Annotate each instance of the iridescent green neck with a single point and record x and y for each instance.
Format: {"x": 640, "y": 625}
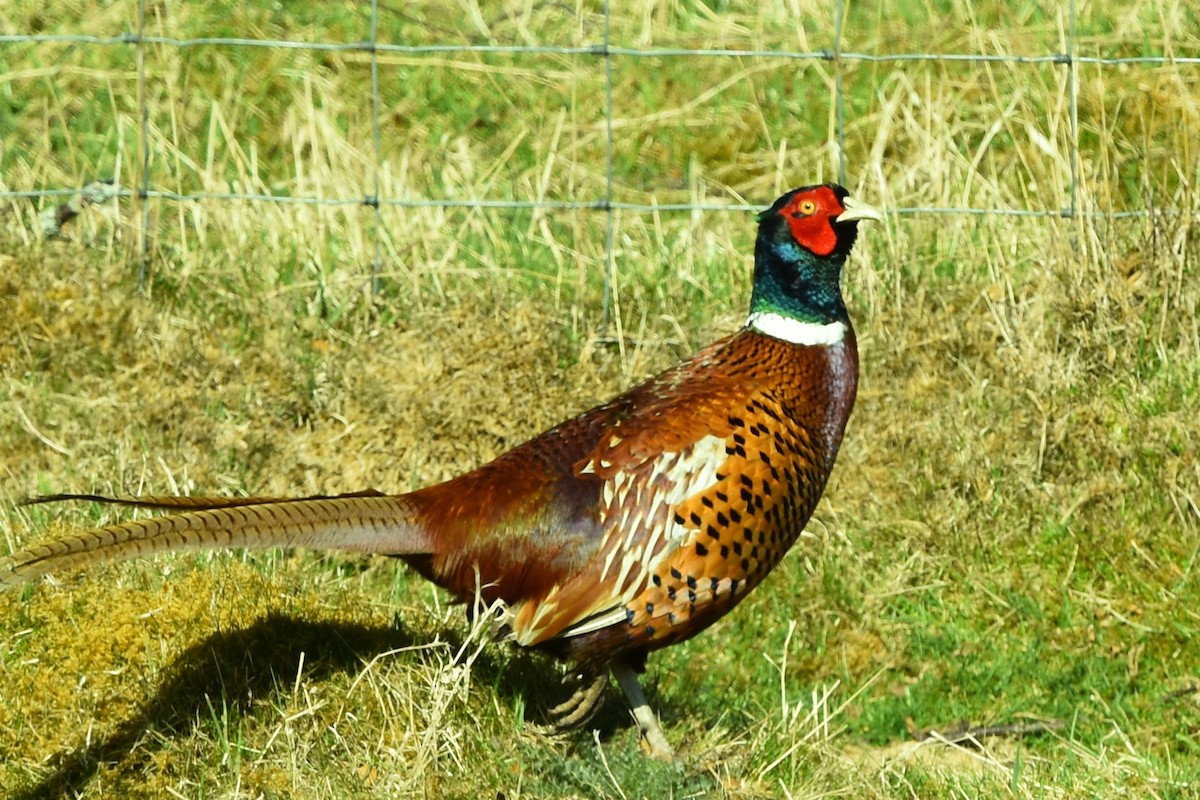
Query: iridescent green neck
{"x": 792, "y": 282}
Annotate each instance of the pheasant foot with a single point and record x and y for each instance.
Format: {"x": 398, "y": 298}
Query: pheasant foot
{"x": 582, "y": 705}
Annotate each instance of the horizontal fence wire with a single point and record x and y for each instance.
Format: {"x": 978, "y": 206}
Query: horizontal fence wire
{"x": 563, "y": 205}
{"x": 597, "y": 50}
{"x": 605, "y": 52}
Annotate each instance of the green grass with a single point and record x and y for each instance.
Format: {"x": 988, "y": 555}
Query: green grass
{"x": 1010, "y": 537}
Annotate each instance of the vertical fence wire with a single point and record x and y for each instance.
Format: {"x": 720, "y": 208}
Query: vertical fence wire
{"x": 377, "y": 142}
{"x": 839, "y": 95}
{"x": 143, "y": 149}
{"x": 1073, "y": 99}
{"x": 606, "y": 303}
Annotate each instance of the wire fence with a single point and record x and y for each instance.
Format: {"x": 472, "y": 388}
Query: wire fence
{"x": 606, "y": 53}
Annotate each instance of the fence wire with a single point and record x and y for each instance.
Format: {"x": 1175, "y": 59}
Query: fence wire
{"x": 605, "y": 54}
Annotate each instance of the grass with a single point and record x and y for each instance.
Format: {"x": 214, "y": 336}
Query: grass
{"x": 1010, "y": 537}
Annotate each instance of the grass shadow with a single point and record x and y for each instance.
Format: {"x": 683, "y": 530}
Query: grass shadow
{"x": 236, "y": 667}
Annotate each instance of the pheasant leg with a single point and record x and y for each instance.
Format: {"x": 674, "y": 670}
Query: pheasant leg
{"x": 652, "y": 733}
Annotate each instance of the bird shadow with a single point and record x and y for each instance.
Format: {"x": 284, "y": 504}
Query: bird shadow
{"x": 252, "y": 662}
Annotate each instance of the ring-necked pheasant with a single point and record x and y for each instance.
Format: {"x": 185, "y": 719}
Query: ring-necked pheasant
{"x": 630, "y": 527}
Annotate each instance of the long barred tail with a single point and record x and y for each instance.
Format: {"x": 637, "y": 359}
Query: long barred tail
{"x": 365, "y": 522}
{"x": 176, "y": 502}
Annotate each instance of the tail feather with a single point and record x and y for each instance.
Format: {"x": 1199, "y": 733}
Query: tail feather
{"x": 178, "y": 503}
{"x": 369, "y": 523}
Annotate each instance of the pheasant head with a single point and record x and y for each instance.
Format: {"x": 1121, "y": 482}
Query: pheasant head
{"x": 803, "y": 241}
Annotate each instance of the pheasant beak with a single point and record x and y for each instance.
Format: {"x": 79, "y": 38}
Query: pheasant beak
{"x": 854, "y": 210}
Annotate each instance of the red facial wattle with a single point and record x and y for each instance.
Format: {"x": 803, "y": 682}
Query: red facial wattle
{"x": 810, "y": 218}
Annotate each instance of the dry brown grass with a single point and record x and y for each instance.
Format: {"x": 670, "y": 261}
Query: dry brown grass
{"x": 1011, "y": 532}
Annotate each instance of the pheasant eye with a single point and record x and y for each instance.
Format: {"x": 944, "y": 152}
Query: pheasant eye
{"x": 807, "y": 207}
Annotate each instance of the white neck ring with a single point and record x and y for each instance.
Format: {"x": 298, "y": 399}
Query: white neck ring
{"x": 796, "y": 331}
